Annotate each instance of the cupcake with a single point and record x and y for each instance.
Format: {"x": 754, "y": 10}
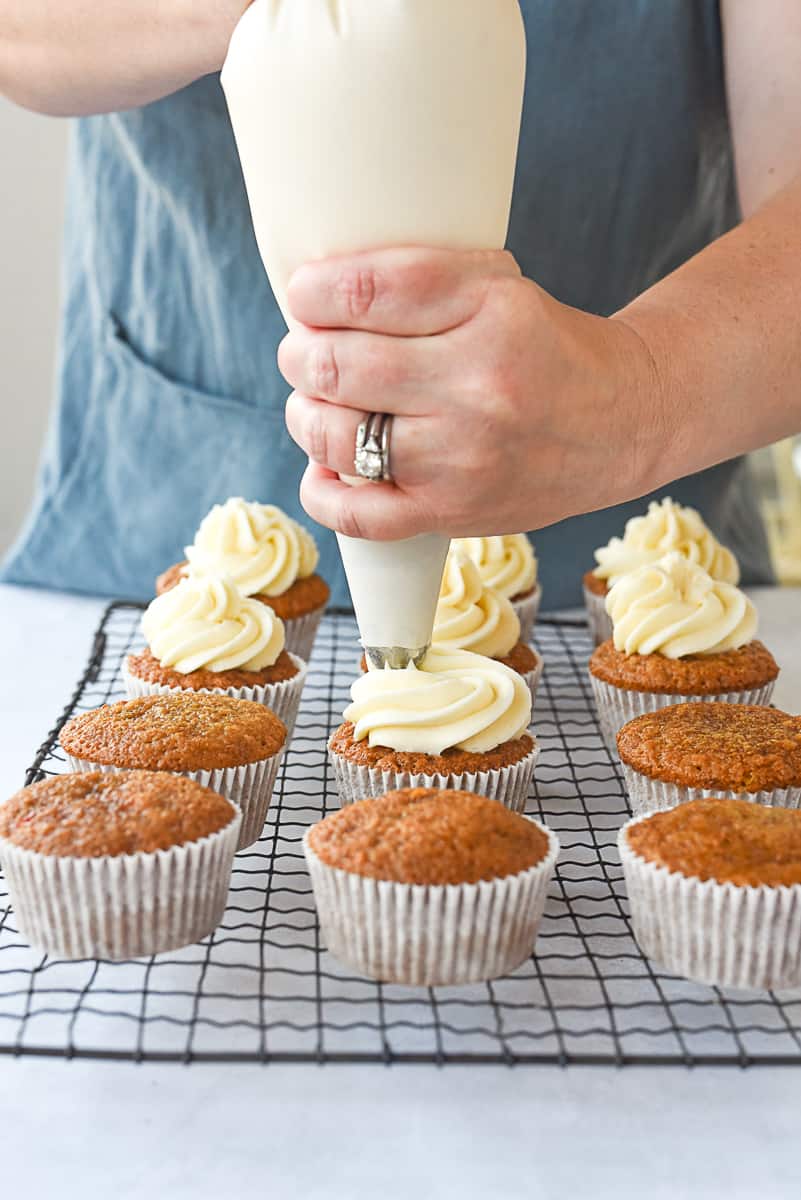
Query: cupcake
{"x": 689, "y": 751}
{"x": 117, "y": 866}
{"x": 715, "y": 891}
{"x": 268, "y": 556}
{"x": 232, "y": 746}
{"x": 203, "y": 635}
{"x": 678, "y": 635}
{"x": 427, "y": 888}
{"x": 459, "y": 721}
{"x": 665, "y": 527}
{"x": 508, "y": 565}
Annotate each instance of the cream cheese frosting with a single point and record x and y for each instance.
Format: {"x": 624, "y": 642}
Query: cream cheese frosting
{"x": 256, "y": 545}
{"x": 674, "y": 608}
{"x": 205, "y": 622}
{"x": 455, "y": 699}
{"x": 665, "y": 527}
{"x": 471, "y": 616}
{"x": 507, "y": 564}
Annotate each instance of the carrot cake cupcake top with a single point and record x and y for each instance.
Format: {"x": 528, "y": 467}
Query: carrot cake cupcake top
{"x": 427, "y": 836}
{"x": 730, "y": 841}
{"x": 180, "y": 731}
{"x": 205, "y": 623}
{"x": 94, "y": 814}
{"x": 722, "y": 747}
{"x": 472, "y": 616}
{"x": 507, "y": 564}
{"x": 453, "y": 700}
{"x": 666, "y": 527}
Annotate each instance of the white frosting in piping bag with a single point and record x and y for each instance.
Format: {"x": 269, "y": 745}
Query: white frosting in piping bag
{"x": 369, "y": 123}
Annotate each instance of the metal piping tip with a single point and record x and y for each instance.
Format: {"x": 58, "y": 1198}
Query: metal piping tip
{"x": 397, "y": 658}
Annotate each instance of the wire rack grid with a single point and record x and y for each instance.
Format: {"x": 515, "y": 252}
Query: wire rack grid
{"x": 263, "y": 988}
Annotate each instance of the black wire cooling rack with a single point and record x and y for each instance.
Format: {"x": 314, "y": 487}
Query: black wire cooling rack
{"x": 263, "y": 988}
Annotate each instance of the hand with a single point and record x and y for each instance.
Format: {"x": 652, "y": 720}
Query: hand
{"x": 511, "y": 410}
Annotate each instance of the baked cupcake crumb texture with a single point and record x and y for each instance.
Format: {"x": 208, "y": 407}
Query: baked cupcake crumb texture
{"x": 729, "y": 841}
{"x": 181, "y": 731}
{"x": 428, "y": 836}
{"x": 94, "y": 814}
{"x": 752, "y": 666}
{"x": 451, "y": 762}
{"x": 723, "y": 747}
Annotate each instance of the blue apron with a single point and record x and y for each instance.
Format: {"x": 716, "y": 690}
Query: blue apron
{"x": 169, "y": 399}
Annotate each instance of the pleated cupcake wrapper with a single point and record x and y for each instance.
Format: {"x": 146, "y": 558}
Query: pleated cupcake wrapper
{"x": 430, "y": 936}
{"x": 598, "y": 618}
{"x": 281, "y": 698}
{"x": 655, "y": 795}
{"x": 510, "y": 785}
{"x": 715, "y": 933}
{"x": 300, "y": 633}
{"x": 527, "y": 609}
{"x": 249, "y": 787}
{"x": 123, "y": 907}
{"x": 533, "y": 678}
{"x": 616, "y": 706}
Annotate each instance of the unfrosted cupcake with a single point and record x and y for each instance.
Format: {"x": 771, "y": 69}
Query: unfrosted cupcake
{"x": 203, "y": 635}
{"x": 666, "y": 527}
{"x": 459, "y": 721}
{"x": 426, "y": 887}
{"x": 268, "y": 556}
{"x": 715, "y": 891}
{"x": 690, "y": 751}
{"x": 232, "y": 746}
{"x": 117, "y": 866}
{"x": 678, "y": 635}
{"x": 508, "y": 565}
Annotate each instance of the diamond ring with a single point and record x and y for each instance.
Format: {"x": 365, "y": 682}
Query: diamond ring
{"x": 371, "y": 460}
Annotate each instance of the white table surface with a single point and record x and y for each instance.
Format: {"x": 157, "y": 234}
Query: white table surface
{"x": 88, "y": 1129}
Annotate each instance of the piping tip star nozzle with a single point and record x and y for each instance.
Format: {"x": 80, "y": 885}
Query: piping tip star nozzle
{"x": 396, "y": 658}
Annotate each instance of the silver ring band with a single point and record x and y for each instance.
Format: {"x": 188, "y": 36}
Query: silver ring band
{"x": 371, "y": 460}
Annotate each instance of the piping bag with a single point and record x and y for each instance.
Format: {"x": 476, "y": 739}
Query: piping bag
{"x": 364, "y": 124}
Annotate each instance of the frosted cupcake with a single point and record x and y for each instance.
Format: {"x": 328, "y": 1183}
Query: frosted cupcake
{"x": 426, "y": 887}
{"x": 459, "y": 721}
{"x": 678, "y": 635}
{"x": 508, "y": 565}
{"x": 664, "y": 528}
{"x": 715, "y": 891}
{"x": 203, "y": 635}
{"x": 268, "y": 556}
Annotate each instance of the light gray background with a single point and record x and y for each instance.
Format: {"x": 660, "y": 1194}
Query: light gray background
{"x": 32, "y": 158}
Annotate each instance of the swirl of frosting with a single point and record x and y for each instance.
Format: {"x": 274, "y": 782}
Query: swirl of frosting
{"x": 666, "y": 527}
{"x": 507, "y": 564}
{"x": 206, "y": 622}
{"x": 674, "y": 608}
{"x": 455, "y": 699}
{"x": 256, "y": 545}
{"x": 471, "y": 616}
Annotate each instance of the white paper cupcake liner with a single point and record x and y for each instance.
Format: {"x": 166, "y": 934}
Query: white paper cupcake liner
{"x": 281, "y": 698}
{"x": 300, "y": 633}
{"x": 123, "y": 907}
{"x": 598, "y": 618}
{"x": 655, "y": 795}
{"x": 617, "y": 706}
{"x": 715, "y": 933}
{"x": 510, "y": 785}
{"x": 527, "y": 608}
{"x": 431, "y": 936}
{"x": 533, "y": 678}
{"x": 249, "y": 787}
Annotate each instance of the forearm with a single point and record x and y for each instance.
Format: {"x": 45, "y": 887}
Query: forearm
{"x": 74, "y": 57}
{"x": 724, "y": 336}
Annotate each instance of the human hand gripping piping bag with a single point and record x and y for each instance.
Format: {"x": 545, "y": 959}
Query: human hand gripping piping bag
{"x": 364, "y": 124}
